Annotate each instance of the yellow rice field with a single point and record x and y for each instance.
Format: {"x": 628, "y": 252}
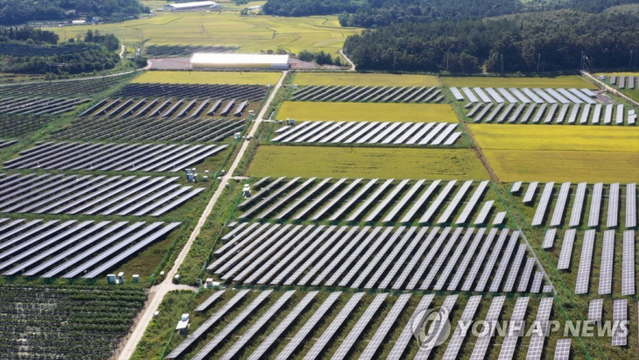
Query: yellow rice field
{"x": 385, "y": 163}
{"x": 208, "y": 77}
{"x": 305, "y": 111}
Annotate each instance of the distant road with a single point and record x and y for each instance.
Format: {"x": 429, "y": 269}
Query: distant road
{"x": 341, "y": 51}
{"x": 160, "y": 290}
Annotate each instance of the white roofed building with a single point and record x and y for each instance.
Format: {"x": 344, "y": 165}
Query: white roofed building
{"x": 239, "y": 61}
{"x": 196, "y": 5}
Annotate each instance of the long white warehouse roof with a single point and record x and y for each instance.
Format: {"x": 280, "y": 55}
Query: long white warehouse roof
{"x": 238, "y": 59}
{"x": 192, "y": 4}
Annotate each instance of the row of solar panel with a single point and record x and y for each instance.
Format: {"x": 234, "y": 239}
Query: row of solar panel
{"x": 362, "y": 132}
{"x": 39, "y": 106}
{"x": 404, "y": 94}
{"x": 390, "y": 309}
{"x": 581, "y": 194}
{"x": 7, "y": 143}
{"x": 192, "y": 91}
{"x": 68, "y": 249}
{"x": 112, "y": 157}
{"x": 152, "y": 129}
{"x": 607, "y": 258}
{"x": 619, "y": 317}
{"x": 370, "y": 201}
{"x": 166, "y": 108}
{"x": 525, "y": 95}
{"x": 92, "y": 195}
{"x": 377, "y": 257}
{"x": 625, "y": 82}
{"x": 552, "y": 114}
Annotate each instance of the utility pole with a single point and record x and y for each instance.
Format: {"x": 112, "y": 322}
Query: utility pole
{"x": 447, "y": 60}
{"x": 538, "y": 61}
{"x": 630, "y": 63}
{"x": 501, "y": 61}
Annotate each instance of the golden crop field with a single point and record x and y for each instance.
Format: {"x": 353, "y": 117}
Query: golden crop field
{"x": 368, "y": 163}
{"x": 355, "y": 79}
{"x": 568, "y": 81}
{"x": 307, "y": 110}
{"x": 575, "y": 166}
{"x": 556, "y": 137}
{"x": 209, "y": 77}
{"x": 250, "y": 33}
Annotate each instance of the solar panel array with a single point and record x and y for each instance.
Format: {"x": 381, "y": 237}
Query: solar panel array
{"x": 624, "y": 81}
{"x": 371, "y": 257}
{"x": 573, "y": 201}
{"x": 628, "y": 263}
{"x": 157, "y": 130}
{"x": 585, "y": 262}
{"x": 93, "y": 195}
{"x": 362, "y": 132}
{"x": 113, "y": 157}
{"x": 193, "y": 91}
{"x": 607, "y": 260}
{"x": 525, "y": 95}
{"x": 7, "y": 143}
{"x": 39, "y": 105}
{"x": 398, "y": 94}
{"x": 536, "y": 346}
{"x": 619, "y": 315}
{"x": 509, "y": 344}
{"x": 562, "y": 349}
{"x": 352, "y": 200}
{"x": 56, "y": 248}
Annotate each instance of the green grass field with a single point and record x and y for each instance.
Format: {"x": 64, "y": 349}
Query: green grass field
{"x": 251, "y": 33}
{"x": 632, "y": 93}
{"x": 342, "y": 162}
{"x": 355, "y": 79}
{"x": 302, "y": 111}
{"x": 570, "y": 81}
{"x": 202, "y": 77}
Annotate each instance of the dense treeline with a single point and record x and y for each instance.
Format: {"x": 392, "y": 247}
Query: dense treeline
{"x": 13, "y": 12}
{"x": 550, "y": 41}
{"x": 375, "y": 13}
{"x": 25, "y": 50}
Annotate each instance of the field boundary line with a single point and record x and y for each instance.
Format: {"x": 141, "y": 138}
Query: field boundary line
{"x": 166, "y": 285}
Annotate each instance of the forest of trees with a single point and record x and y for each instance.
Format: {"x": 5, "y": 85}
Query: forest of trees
{"x": 34, "y": 51}
{"x": 551, "y": 41}
{"x": 14, "y": 12}
{"x": 376, "y": 13}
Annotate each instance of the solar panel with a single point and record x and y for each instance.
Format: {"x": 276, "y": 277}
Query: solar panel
{"x": 399, "y": 264}
{"x": 483, "y": 213}
{"x": 333, "y": 327}
{"x": 560, "y": 206}
{"x": 551, "y": 113}
{"x": 383, "y": 330}
{"x": 429, "y": 256}
{"x": 366, "y": 204}
{"x": 583, "y": 274}
{"x": 505, "y": 259}
{"x": 404, "y": 200}
{"x": 470, "y": 206}
{"x": 507, "y": 95}
{"x": 549, "y": 239}
{"x": 509, "y": 345}
{"x": 539, "y": 114}
{"x": 480, "y": 115}
{"x": 505, "y": 113}
{"x": 529, "y": 111}
{"x": 191, "y": 339}
{"x": 355, "y": 254}
{"x": 519, "y": 95}
{"x": 260, "y": 193}
{"x": 407, "y": 333}
{"x": 458, "y": 96}
{"x": 416, "y": 256}
{"x": 596, "y": 114}
{"x": 537, "y": 280}
{"x": 359, "y": 327}
{"x": 595, "y": 310}
{"x": 302, "y": 199}
{"x": 372, "y": 265}
{"x": 619, "y": 315}
{"x": 628, "y": 265}
{"x": 566, "y": 250}
{"x": 479, "y": 261}
{"x": 437, "y": 327}
{"x": 336, "y": 259}
{"x": 547, "y": 98}
{"x": 470, "y": 253}
{"x": 443, "y": 256}
{"x": 577, "y": 205}
{"x": 516, "y": 114}
{"x": 329, "y": 256}
{"x": 346, "y": 191}
{"x": 607, "y": 260}
{"x": 204, "y": 305}
{"x": 595, "y": 205}
{"x": 536, "y": 346}
{"x": 460, "y": 332}
{"x": 570, "y": 96}
{"x": 499, "y": 218}
{"x": 437, "y": 202}
{"x": 286, "y": 199}
{"x": 389, "y": 259}
{"x": 250, "y": 231}
{"x": 631, "y": 205}
{"x": 562, "y": 349}
{"x": 448, "y": 129}
{"x": 469, "y": 94}
{"x": 382, "y": 135}
{"x": 494, "y": 113}
{"x": 613, "y": 206}
{"x": 482, "y": 95}
{"x": 422, "y": 199}
{"x": 390, "y": 197}
{"x": 455, "y": 202}
{"x": 282, "y": 326}
{"x": 543, "y": 204}
{"x": 608, "y": 114}
{"x": 483, "y": 339}
{"x": 530, "y": 192}
{"x": 514, "y": 268}
{"x": 319, "y": 199}
{"x": 269, "y": 198}
{"x": 452, "y": 262}
{"x": 525, "y": 275}
{"x": 619, "y": 114}
{"x": 498, "y": 99}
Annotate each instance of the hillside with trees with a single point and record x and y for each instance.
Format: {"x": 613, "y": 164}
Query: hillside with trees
{"x": 551, "y": 41}
{"x": 14, "y": 12}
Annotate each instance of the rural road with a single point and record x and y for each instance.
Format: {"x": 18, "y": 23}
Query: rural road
{"x": 122, "y": 51}
{"x": 341, "y": 51}
{"x": 609, "y": 88}
{"x": 166, "y": 285}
